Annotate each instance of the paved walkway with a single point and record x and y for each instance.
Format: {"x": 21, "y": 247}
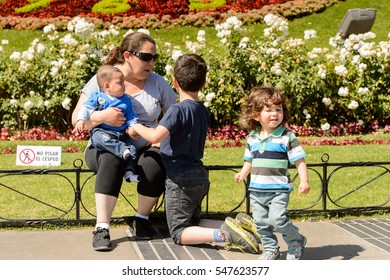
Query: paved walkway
{"x": 352, "y": 240}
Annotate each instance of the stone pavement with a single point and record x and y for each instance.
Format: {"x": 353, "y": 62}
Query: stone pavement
{"x": 327, "y": 240}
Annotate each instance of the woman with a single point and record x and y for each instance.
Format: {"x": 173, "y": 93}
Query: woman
{"x": 150, "y": 94}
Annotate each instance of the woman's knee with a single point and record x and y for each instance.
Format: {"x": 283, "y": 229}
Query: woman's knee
{"x": 109, "y": 174}
{"x": 152, "y": 173}
{"x": 150, "y": 165}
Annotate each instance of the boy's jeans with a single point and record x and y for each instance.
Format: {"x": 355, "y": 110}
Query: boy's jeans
{"x": 183, "y": 198}
{"x": 270, "y": 215}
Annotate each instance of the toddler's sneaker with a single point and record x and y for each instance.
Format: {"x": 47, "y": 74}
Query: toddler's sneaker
{"x": 131, "y": 177}
{"x": 246, "y": 222}
{"x": 296, "y": 248}
{"x": 236, "y": 236}
{"x": 270, "y": 255}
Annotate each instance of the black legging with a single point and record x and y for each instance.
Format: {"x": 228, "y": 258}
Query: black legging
{"x": 110, "y": 169}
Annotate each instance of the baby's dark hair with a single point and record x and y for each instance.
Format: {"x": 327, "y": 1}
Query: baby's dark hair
{"x": 258, "y": 98}
{"x": 104, "y": 74}
{"x": 190, "y": 72}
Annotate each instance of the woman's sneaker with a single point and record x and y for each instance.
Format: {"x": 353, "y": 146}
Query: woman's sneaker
{"x": 101, "y": 239}
{"x": 246, "y": 222}
{"x": 236, "y": 236}
{"x": 296, "y": 248}
{"x": 270, "y": 255}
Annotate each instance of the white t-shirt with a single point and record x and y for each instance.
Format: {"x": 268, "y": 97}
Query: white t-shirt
{"x": 156, "y": 97}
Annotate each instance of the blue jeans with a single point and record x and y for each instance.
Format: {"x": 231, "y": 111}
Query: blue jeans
{"x": 115, "y": 142}
{"x": 184, "y": 193}
{"x": 270, "y": 215}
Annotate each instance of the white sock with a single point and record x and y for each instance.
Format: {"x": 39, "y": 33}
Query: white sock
{"x": 142, "y": 216}
{"x": 103, "y": 225}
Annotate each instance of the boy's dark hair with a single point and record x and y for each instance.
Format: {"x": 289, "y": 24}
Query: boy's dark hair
{"x": 258, "y": 98}
{"x": 104, "y": 74}
{"x": 190, "y": 71}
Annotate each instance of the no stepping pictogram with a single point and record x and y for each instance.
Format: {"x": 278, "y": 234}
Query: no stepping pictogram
{"x": 27, "y": 156}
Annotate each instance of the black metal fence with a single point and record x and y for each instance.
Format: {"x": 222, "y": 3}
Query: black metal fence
{"x": 335, "y": 187}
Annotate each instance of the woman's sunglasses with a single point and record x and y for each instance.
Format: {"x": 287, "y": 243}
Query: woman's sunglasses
{"x": 145, "y": 56}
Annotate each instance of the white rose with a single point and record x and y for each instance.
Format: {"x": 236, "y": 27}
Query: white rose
{"x": 353, "y": 105}
{"x": 325, "y": 126}
{"x": 66, "y": 103}
{"x": 28, "y": 105}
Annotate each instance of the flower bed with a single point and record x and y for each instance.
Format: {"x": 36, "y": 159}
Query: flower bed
{"x": 229, "y": 136}
{"x": 161, "y": 14}
{"x": 106, "y": 10}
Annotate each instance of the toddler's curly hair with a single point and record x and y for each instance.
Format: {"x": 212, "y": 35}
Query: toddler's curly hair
{"x": 258, "y": 98}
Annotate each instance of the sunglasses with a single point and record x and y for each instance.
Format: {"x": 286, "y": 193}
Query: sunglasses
{"x": 145, "y": 56}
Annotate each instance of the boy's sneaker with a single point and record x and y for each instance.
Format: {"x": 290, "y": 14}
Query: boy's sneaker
{"x": 236, "y": 236}
{"x": 296, "y": 248}
{"x": 270, "y": 255}
{"x": 142, "y": 229}
{"x": 101, "y": 239}
{"x": 246, "y": 222}
{"x": 131, "y": 177}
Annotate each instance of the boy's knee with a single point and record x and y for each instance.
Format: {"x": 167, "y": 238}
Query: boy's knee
{"x": 176, "y": 236}
{"x": 176, "y": 239}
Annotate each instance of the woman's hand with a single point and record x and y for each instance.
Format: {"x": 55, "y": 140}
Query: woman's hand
{"x": 112, "y": 116}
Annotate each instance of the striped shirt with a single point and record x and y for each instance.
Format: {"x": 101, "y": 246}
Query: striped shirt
{"x": 270, "y": 158}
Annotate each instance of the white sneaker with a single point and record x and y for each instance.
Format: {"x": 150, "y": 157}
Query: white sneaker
{"x": 131, "y": 177}
{"x": 126, "y": 155}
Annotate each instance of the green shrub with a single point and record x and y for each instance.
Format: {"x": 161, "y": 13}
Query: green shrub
{"x": 39, "y": 86}
{"x": 200, "y": 5}
{"x": 345, "y": 82}
{"x": 34, "y": 5}
{"x": 111, "y": 7}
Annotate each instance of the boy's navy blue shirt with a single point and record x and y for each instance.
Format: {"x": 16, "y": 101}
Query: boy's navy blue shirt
{"x": 187, "y": 122}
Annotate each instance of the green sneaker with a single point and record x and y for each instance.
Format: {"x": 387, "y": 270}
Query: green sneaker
{"x": 296, "y": 248}
{"x": 246, "y": 222}
{"x": 236, "y": 236}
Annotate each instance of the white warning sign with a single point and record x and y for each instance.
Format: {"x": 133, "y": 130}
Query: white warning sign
{"x": 38, "y": 155}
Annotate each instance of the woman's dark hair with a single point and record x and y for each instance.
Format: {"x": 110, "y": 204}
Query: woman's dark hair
{"x": 132, "y": 42}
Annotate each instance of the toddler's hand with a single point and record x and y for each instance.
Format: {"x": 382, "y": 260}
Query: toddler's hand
{"x": 303, "y": 188}
{"x": 239, "y": 177}
{"x": 80, "y": 127}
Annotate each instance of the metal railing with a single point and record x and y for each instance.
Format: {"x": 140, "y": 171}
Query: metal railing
{"x": 325, "y": 179}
